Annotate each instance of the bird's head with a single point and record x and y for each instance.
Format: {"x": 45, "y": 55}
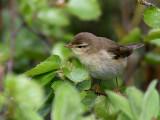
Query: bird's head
{"x": 82, "y": 43}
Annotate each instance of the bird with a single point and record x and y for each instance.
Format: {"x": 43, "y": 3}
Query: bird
{"x": 104, "y": 58}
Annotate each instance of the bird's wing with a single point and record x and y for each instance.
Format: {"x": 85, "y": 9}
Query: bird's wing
{"x": 117, "y": 50}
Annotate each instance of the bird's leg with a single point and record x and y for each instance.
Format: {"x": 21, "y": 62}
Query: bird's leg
{"x": 117, "y": 90}
{"x": 98, "y": 88}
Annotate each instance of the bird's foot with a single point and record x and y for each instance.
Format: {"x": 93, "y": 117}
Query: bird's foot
{"x": 97, "y": 91}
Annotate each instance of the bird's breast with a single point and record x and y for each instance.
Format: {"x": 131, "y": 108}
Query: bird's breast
{"x": 102, "y": 66}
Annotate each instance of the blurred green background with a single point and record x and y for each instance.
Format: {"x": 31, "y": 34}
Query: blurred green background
{"x": 40, "y": 28}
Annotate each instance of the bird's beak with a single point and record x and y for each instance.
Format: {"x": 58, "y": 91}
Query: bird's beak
{"x": 69, "y": 46}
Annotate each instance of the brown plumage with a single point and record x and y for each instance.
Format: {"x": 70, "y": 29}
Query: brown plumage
{"x": 98, "y": 43}
{"x": 104, "y": 58}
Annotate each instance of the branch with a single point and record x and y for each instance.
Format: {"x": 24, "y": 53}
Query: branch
{"x": 1, "y": 77}
{"x": 18, "y": 29}
{"x": 40, "y": 34}
{"x": 148, "y": 4}
{"x": 97, "y": 92}
{"x": 12, "y": 14}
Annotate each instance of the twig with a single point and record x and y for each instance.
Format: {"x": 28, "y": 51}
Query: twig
{"x": 18, "y": 29}
{"x": 1, "y": 77}
{"x": 41, "y": 35}
{"x": 148, "y": 4}
{"x": 12, "y": 13}
{"x": 99, "y": 92}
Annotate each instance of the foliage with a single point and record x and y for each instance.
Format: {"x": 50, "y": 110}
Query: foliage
{"x": 151, "y": 17}
{"x": 59, "y": 85}
{"x": 21, "y": 98}
{"x": 138, "y": 106}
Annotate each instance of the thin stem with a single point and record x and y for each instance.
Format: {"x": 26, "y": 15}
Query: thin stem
{"x": 12, "y": 13}
{"x": 99, "y": 92}
{"x": 148, "y": 4}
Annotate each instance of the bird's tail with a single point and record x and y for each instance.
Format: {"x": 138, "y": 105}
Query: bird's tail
{"x": 134, "y": 45}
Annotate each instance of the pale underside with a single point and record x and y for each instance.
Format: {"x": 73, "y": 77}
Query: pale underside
{"x": 101, "y": 65}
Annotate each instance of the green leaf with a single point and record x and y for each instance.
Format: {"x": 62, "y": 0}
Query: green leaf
{"x": 90, "y": 117}
{"x": 45, "y": 78}
{"x": 84, "y": 85}
{"x": 2, "y": 100}
{"x": 53, "y": 16}
{"x": 61, "y": 51}
{"x": 153, "y": 34}
{"x": 24, "y": 113}
{"x": 150, "y": 106}
{"x": 24, "y": 91}
{"x": 122, "y": 116}
{"x": 152, "y": 17}
{"x": 156, "y": 42}
{"x": 89, "y": 99}
{"x": 139, "y": 1}
{"x": 28, "y": 8}
{"x": 84, "y": 9}
{"x": 43, "y": 67}
{"x": 104, "y": 109}
{"x": 76, "y": 75}
{"x": 47, "y": 104}
{"x": 85, "y": 108}
{"x": 56, "y": 84}
{"x": 135, "y": 99}
{"x": 133, "y": 36}
{"x": 66, "y": 105}
{"x": 54, "y": 58}
{"x": 121, "y": 102}
{"x": 152, "y": 58}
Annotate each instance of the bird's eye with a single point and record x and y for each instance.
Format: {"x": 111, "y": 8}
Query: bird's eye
{"x": 80, "y": 46}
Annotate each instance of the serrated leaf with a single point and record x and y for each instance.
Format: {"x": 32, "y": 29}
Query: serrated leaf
{"x": 54, "y": 58}
{"x": 153, "y": 34}
{"x": 76, "y": 75}
{"x": 133, "y": 36}
{"x": 66, "y": 105}
{"x": 85, "y": 108}
{"x": 43, "y": 67}
{"x": 150, "y": 106}
{"x": 89, "y": 99}
{"x": 45, "y": 78}
{"x": 53, "y": 16}
{"x": 121, "y": 103}
{"x": 152, "y": 17}
{"x": 135, "y": 99}
{"x": 152, "y": 58}
{"x": 84, "y": 85}
{"x": 104, "y": 109}
{"x": 84, "y": 9}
